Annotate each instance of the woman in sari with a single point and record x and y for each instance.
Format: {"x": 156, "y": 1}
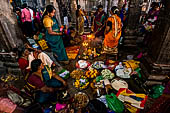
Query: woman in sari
{"x": 112, "y": 31}
{"x": 53, "y": 34}
{"x": 44, "y": 81}
{"x": 23, "y": 60}
{"x": 80, "y": 20}
{"x": 98, "y": 24}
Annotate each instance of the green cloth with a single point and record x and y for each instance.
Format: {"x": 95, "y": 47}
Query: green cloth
{"x": 56, "y": 42}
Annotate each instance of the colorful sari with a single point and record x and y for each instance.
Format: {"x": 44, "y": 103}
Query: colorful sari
{"x": 112, "y": 37}
{"x": 48, "y": 79}
{"x": 55, "y": 42}
{"x": 37, "y": 81}
{"x": 99, "y": 23}
{"x": 80, "y": 21}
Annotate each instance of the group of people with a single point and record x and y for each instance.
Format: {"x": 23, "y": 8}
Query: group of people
{"x": 39, "y": 68}
{"x": 106, "y": 30}
{"x": 28, "y": 19}
{"x": 148, "y": 21}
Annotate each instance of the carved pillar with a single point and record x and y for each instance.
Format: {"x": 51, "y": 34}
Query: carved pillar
{"x": 11, "y": 35}
{"x": 159, "y": 46}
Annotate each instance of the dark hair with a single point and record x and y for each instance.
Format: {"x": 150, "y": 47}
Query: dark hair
{"x": 21, "y": 51}
{"x": 96, "y": 106}
{"x": 78, "y": 6}
{"x": 24, "y": 5}
{"x": 115, "y": 10}
{"x": 71, "y": 28}
{"x": 18, "y": 9}
{"x": 35, "y": 64}
{"x": 48, "y": 9}
{"x": 99, "y": 6}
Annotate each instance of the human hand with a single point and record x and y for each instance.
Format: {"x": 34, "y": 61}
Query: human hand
{"x": 60, "y": 33}
{"x": 51, "y": 89}
{"x": 64, "y": 83}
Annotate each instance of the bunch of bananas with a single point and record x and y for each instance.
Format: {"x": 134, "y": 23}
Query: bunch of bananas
{"x": 92, "y": 84}
{"x": 91, "y": 73}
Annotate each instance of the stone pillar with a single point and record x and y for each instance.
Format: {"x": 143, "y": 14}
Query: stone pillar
{"x": 11, "y": 35}
{"x": 159, "y": 43}
{"x": 133, "y": 15}
{"x": 57, "y": 12}
{"x": 73, "y": 10}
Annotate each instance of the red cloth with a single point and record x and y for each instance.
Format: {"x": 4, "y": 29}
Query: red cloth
{"x": 36, "y": 81}
{"x": 23, "y": 63}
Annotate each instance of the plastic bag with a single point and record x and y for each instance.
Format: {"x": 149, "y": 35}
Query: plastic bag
{"x": 114, "y": 103}
{"x": 156, "y": 91}
{"x": 118, "y": 83}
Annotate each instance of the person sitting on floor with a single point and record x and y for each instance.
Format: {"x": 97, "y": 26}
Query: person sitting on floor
{"x": 44, "y": 81}
{"x": 23, "y": 60}
{"x": 70, "y": 38}
{"x": 26, "y": 57}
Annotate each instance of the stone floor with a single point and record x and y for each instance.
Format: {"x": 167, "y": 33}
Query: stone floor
{"x": 123, "y": 52}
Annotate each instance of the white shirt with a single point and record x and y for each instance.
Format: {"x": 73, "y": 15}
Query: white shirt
{"x": 66, "y": 21}
{"x": 44, "y": 58}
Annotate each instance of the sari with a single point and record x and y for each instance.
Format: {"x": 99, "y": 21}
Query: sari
{"x": 37, "y": 81}
{"x": 80, "y": 21}
{"x": 98, "y": 23}
{"x": 112, "y": 37}
{"x": 48, "y": 79}
{"x": 55, "y": 42}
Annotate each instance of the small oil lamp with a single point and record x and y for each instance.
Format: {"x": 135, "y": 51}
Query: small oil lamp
{"x": 91, "y": 36}
{"x": 85, "y": 44}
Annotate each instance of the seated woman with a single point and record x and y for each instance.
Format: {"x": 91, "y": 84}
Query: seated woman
{"x": 26, "y": 57}
{"x": 112, "y": 31}
{"x": 23, "y": 60}
{"x": 45, "y": 83}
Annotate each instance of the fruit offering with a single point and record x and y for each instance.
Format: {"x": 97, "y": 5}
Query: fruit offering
{"x": 107, "y": 74}
{"x": 99, "y": 65}
{"x": 92, "y": 84}
{"x": 91, "y": 73}
{"x": 80, "y": 100}
{"x": 82, "y": 64}
{"x": 81, "y": 83}
{"x": 76, "y": 74}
